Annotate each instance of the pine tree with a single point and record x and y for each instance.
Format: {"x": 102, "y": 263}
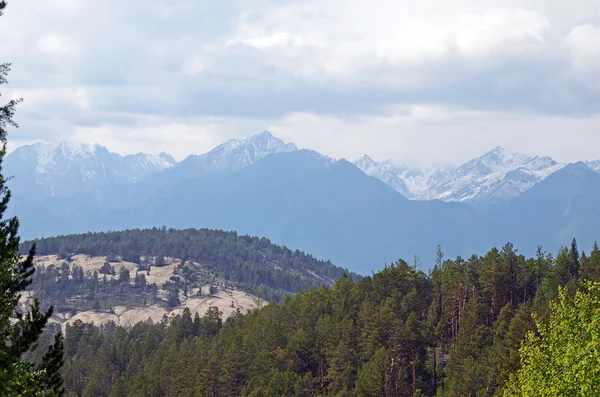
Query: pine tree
{"x": 590, "y": 266}
{"x": 19, "y": 330}
{"x": 51, "y": 365}
{"x": 374, "y": 376}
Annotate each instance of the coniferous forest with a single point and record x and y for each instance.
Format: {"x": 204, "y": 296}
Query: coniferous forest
{"x": 485, "y": 326}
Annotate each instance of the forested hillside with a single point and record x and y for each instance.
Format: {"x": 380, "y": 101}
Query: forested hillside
{"x": 456, "y": 331}
{"x": 246, "y": 262}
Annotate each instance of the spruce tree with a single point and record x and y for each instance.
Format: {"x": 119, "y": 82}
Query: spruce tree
{"x": 20, "y": 327}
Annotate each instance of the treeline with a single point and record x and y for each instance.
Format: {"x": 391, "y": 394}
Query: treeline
{"x": 456, "y": 331}
{"x": 249, "y": 262}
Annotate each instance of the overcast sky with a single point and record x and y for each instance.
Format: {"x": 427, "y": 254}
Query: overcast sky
{"x": 417, "y": 81}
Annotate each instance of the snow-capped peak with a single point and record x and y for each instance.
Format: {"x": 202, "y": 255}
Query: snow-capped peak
{"x": 236, "y": 154}
{"x": 363, "y": 157}
{"x": 69, "y": 168}
{"x": 265, "y": 140}
{"x": 364, "y": 161}
{"x": 496, "y": 160}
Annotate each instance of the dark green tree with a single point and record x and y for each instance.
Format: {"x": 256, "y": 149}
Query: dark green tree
{"x": 590, "y": 266}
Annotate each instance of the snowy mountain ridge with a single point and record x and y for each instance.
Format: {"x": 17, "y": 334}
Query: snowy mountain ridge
{"x": 71, "y": 168}
{"x": 497, "y": 176}
{"x": 68, "y": 168}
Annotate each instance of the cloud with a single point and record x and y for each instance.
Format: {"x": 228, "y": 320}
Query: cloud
{"x": 584, "y": 43}
{"x": 192, "y": 68}
{"x": 343, "y": 41}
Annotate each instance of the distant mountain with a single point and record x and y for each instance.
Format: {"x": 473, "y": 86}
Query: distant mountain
{"x": 383, "y": 171}
{"x": 594, "y": 165}
{"x": 226, "y": 158}
{"x": 302, "y": 199}
{"x": 231, "y": 156}
{"x": 563, "y": 206}
{"x": 68, "y": 169}
{"x": 333, "y": 209}
{"x": 495, "y": 177}
{"x": 114, "y": 181}
{"x": 329, "y": 208}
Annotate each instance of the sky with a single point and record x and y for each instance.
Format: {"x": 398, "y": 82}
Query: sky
{"x": 421, "y": 82}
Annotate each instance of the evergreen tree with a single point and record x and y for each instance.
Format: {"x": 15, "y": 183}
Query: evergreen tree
{"x": 374, "y": 377}
{"x": 590, "y": 266}
{"x": 52, "y": 362}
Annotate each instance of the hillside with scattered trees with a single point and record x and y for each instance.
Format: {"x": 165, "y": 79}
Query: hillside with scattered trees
{"x": 244, "y": 262}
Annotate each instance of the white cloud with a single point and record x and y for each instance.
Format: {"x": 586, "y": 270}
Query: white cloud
{"x": 584, "y": 44}
{"x": 56, "y": 45}
{"x": 194, "y": 66}
{"x": 348, "y": 38}
{"x": 503, "y": 32}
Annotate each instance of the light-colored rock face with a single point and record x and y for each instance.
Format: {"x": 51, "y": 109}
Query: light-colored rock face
{"x": 227, "y": 300}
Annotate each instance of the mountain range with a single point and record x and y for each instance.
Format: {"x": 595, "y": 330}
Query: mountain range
{"x": 360, "y": 214}
{"x": 495, "y": 177}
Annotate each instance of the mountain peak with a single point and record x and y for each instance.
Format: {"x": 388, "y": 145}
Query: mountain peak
{"x": 167, "y": 157}
{"x": 363, "y": 158}
{"x": 504, "y": 155}
{"x": 266, "y": 141}
{"x": 265, "y": 134}
{"x": 236, "y": 154}
{"x": 495, "y": 160}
